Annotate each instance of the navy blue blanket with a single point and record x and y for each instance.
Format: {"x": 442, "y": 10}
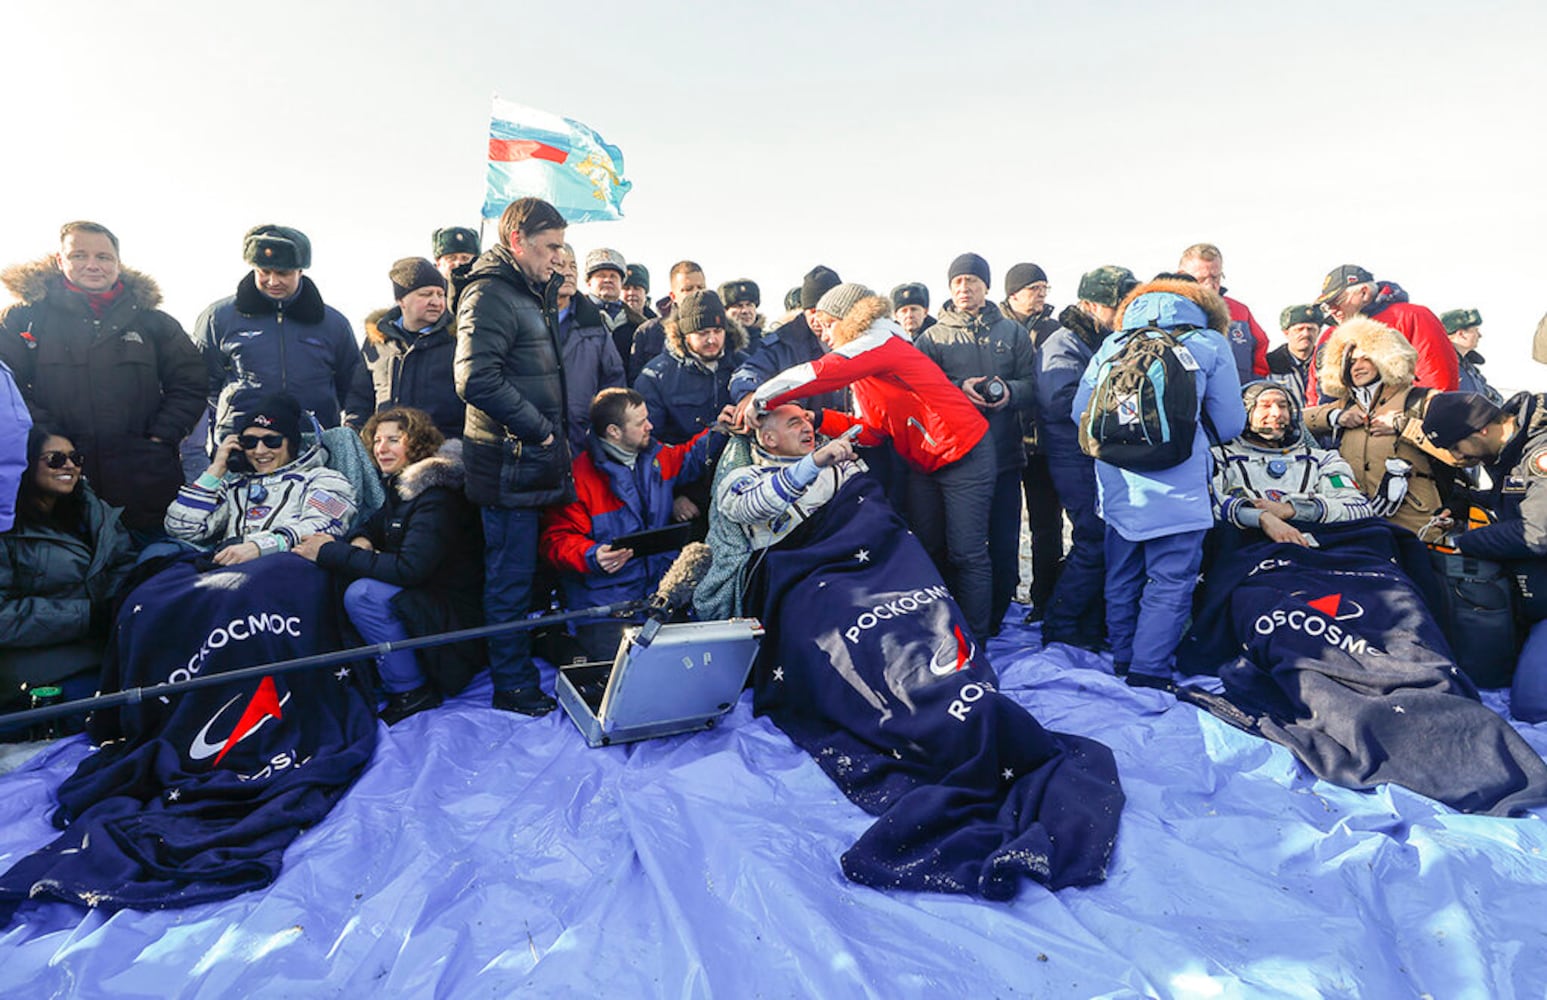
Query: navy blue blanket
{"x": 197, "y": 795}
{"x": 868, "y": 666}
{"x": 1333, "y": 653}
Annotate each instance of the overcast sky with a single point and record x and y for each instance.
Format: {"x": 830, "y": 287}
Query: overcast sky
{"x": 880, "y": 139}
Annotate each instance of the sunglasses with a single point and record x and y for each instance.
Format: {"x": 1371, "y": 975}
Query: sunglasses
{"x": 59, "y": 459}
{"x": 271, "y": 441}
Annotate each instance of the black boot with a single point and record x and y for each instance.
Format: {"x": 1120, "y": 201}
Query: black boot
{"x": 526, "y": 700}
{"x": 405, "y": 703}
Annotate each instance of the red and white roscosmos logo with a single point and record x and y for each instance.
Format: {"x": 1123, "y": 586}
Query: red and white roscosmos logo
{"x": 263, "y": 705}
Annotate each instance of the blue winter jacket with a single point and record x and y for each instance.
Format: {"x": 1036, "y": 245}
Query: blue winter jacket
{"x": 15, "y": 422}
{"x": 1145, "y": 505}
{"x": 792, "y": 344}
{"x": 300, "y": 345}
{"x": 612, "y": 500}
{"x": 1061, "y": 362}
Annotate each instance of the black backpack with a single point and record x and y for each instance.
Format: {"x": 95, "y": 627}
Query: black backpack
{"x": 1143, "y": 414}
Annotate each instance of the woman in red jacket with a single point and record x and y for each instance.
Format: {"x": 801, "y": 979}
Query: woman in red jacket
{"x": 902, "y": 395}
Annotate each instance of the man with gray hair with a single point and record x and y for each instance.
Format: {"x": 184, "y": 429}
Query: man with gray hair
{"x": 1248, "y": 342}
{"x": 605, "y": 272}
{"x": 1350, "y": 291}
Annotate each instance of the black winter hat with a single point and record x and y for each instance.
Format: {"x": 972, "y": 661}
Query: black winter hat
{"x": 913, "y": 293}
{"x": 255, "y": 407}
{"x": 741, "y": 290}
{"x": 815, "y": 284}
{"x": 1021, "y": 275}
{"x": 412, "y": 273}
{"x": 969, "y": 263}
{"x": 637, "y": 276}
{"x": 699, "y": 311}
{"x": 1452, "y": 416}
{"x": 454, "y": 239}
{"x": 277, "y": 248}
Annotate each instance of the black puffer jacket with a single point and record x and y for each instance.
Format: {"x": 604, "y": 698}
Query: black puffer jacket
{"x": 988, "y": 343}
{"x": 408, "y": 369}
{"x": 109, "y": 384}
{"x": 427, "y": 541}
{"x": 508, "y": 371}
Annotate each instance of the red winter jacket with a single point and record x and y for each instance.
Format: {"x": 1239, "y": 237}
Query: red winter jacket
{"x": 1243, "y": 327}
{"x": 1439, "y": 366}
{"x": 897, "y": 390}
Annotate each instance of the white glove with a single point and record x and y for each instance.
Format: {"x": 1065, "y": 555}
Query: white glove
{"x": 1393, "y": 487}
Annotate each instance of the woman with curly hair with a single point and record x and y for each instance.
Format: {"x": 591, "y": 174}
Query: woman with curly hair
{"x": 416, "y": 565}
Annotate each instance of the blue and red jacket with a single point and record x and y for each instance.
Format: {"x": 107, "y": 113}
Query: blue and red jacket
{"x": 612, "y": 500}
{"x": 1248, "y": 342}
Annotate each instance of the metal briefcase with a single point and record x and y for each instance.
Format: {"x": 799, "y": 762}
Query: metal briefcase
{"x": 689, "y": 676}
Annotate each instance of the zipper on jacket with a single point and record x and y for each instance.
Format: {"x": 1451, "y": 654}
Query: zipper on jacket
{"x": 914, "y": 421}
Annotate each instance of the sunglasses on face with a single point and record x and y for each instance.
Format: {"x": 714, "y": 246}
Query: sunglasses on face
{"x": 59, "y": 459}
{"x": 273, "y": 442}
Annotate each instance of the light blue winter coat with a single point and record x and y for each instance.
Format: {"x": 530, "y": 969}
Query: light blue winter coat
{"x": 15, "y": 422}
{"x": 1145, "y": 505}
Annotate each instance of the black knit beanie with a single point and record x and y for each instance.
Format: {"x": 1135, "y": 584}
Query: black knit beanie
{"x": 1021, "y": 275}
{"x": 815, "y": 284}
{"x": 969, "y": 263}
{"x": 412, "y": 273}
{"x": 699, "y": 311}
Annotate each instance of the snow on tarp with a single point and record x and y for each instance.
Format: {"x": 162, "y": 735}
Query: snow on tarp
{"x": 484, "y": 853}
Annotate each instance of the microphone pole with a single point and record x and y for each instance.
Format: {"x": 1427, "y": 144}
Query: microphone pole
{"x": 135, "y": 695}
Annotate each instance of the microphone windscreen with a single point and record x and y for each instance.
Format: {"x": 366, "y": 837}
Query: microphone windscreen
{"x": 686, "y": 572}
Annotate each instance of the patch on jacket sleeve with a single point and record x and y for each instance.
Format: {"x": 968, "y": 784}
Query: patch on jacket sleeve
{"x": 1537, "y": 463}
{"x": 333, "y": 506}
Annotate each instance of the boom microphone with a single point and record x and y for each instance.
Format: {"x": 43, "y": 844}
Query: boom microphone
{"x": 676, "y": 589}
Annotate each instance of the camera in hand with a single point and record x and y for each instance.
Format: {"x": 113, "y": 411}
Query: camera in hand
{"x": 993, "y": 390}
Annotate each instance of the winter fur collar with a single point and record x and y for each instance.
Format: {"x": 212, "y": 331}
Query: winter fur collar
{"x": 444, "y": 468}
{"x": 307, "y": 307}
{"x": 34, "y": 281}
{"x": 1212, "y": 305}
{"x": 864, "y": 314}
{"x": 1394, "y": 357}
{"x": 380, "y": 324}
{"x": 736, "y": 338}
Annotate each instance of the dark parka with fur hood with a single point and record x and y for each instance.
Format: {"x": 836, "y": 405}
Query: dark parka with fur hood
{"x": 508, "y": 371}
{"x": 408, "y": 369}
{"x": 427, "y": 541}
{"x": 109, "y": 384}
{"x": 682, "y": 393}
{"x": 1395, "y": 398}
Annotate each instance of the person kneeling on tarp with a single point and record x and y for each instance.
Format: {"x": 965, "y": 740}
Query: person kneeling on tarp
{"x": 262, "y": 493}
{"x": 416, "y": 565}
{"x": 1511, "y": 442}
{"x": 623, "y": 484}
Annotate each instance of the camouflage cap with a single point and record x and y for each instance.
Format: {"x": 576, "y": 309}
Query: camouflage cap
{"x": 1106, "y": 286}
{"x": 1460, "y": 319}
{"x": 605, "y": 259}
{"x": 1295, "y": 315}
{"x": 1340, "y": 278}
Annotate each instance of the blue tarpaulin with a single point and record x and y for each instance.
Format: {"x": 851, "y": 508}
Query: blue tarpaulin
{"x": 484, "y": 853}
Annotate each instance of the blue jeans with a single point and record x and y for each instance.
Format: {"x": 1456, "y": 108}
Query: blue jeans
{"x": 368, "y": 604}
{"x": 1149, "y": 597}
{"x": 510, "y": 563}
{"x": 1076, "y": 613}
{"x": 1528, "y": 693}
